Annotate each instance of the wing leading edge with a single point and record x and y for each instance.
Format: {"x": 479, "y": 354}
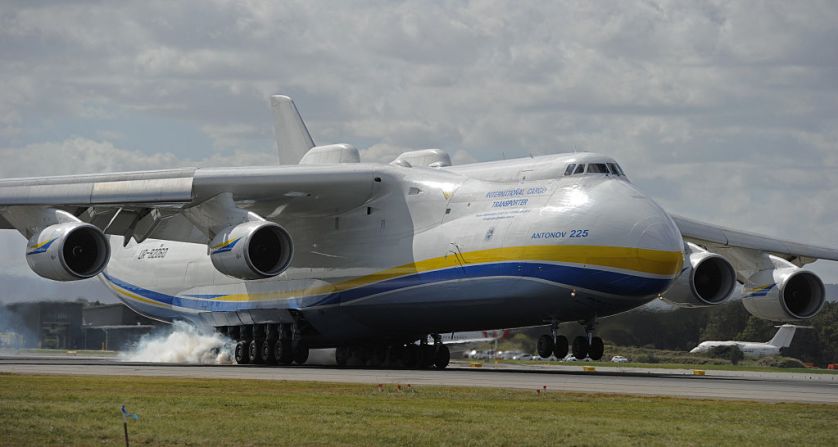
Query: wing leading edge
{"x": 714, "y": 235}
{"x": 156, "y": 200}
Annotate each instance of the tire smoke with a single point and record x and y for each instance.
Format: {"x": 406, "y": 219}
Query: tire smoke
{"x": 183, "y": 343}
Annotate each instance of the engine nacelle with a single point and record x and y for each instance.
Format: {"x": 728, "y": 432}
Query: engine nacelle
{"x": 252, "y": 250}
{"x": 787, "y": 293}
{"x": 708, "y": 279}
{"x": 68, "y": 251}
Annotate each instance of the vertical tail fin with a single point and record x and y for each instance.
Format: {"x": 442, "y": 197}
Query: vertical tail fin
{"x": 782, "y": 339}
{"x": 292, "y": 137}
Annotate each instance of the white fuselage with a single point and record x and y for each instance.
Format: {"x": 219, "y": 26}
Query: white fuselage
{"x": 750, "y": 349}
{"x": 501, "y": 244}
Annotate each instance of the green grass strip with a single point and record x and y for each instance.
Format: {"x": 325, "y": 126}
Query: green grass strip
{"x": 70, "y": 410}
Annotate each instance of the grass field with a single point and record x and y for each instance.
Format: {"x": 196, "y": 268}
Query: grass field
{"x": 61, "y": 410}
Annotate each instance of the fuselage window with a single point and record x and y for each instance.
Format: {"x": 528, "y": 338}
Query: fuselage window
{"x": 597, "y": 168}
{"x": 569, "y": 169}
{"x": 579, "y": 169}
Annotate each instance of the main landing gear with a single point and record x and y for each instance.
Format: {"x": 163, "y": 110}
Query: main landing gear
{"x": 583, "y": 346}
{"x": 271, "y": 344}
{"x": 400, "y": 355}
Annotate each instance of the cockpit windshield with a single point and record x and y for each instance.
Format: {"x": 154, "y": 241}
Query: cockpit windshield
{"x": 610, "y": 168}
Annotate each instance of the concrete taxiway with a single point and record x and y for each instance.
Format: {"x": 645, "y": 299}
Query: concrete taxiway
{"x": 739, "y": 385}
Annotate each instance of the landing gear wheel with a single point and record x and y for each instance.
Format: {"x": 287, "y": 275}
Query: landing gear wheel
{"x": 560, "y": 350}
{"x": 411, "y": 356}
{"x": 443, "y": 356}
{"x": 342, "y": 355}
{"x": 596, "y": 349}
{"x": 378, "y": 356}
{"x": 282, "y": 352}
{"x": 580, "y": 348}
{"x": 426, "y": 356}
{"x": 256, "y": 351}
{"x": 545, "y": 346}
{"x": 300, "y": 353}
{"x": 242, "y": 353}
{"x": 268, "y": 350}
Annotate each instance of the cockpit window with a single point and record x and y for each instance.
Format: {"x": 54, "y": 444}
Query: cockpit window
{"x": 615, "y": 169}
{"x": 569, "y": 169}
{"x": 579, "y": 169}
{"x": 597, "y": 168}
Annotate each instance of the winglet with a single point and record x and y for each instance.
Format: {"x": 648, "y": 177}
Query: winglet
{"x": 292, "y": 137}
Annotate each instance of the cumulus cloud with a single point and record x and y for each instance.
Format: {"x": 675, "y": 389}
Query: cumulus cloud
{"x": 724, "y": 111}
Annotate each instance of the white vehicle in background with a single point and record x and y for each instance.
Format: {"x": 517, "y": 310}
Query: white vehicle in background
{"x": 619, "y": 359}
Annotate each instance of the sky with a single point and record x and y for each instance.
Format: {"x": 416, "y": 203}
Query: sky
{"x": 726, "y": 112}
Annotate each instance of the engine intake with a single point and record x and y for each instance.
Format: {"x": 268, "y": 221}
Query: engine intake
{"x": 784, "y": 294}
{"x": 68, "y": 251}
{"x": 707, "y": 280}
{"x": 252, "y": 250}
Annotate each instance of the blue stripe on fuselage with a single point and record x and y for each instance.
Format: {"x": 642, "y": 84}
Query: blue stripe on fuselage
{"x": 584, "y": 278}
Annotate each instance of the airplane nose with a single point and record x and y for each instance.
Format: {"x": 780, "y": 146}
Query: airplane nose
{"x": 651, "y": 231}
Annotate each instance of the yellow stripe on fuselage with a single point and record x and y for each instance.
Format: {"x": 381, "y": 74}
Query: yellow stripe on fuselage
{"x": 654, "y": 262}
{"x": 133, "y": 296}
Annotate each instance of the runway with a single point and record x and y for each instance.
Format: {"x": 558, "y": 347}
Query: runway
{"x": 738, "y": 385}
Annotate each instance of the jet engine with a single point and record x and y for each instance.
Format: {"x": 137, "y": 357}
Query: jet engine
{"x": 252, "y": 250}
{"x": 784, "y": 294}
{"x": 68, "y": 251}
{"x": 706, "y": 280}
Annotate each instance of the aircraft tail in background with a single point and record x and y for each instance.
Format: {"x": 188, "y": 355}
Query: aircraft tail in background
{"x": 782, "y": 339}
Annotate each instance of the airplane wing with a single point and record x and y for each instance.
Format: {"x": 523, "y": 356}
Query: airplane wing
{"x": 167, "y": 204}
{"x": 720, "y": 239}
{"x": 458, "y": 338}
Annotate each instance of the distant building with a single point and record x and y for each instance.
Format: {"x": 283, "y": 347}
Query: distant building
{"x": 71, "y": 325}
{"x": 114, "y": 327}
{"x": 46, "y": 325}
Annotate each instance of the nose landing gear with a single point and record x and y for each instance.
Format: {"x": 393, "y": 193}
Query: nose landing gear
{"x": 582, "y": 347}
{"x": 553, "y": 344}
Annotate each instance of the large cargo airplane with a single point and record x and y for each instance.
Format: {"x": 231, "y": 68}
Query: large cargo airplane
{"x": 782, "y": 339}
{"x": 377, "y": 260}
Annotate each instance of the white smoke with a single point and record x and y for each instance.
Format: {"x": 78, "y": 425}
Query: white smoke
{"x": 183, "y": 343}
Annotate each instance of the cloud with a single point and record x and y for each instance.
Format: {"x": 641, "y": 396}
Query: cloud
{"x": 724, "y": 111}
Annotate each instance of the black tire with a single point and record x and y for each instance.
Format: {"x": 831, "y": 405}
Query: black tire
{"x": 268, "y": 352}
{"x": 545, "y": 346}
{"x": 596, "y": 349}
{"x": 442, "y": 357}
{"x": 561, "y": 347}
{"x": 580, "y": 347}
{"x": 282, "y": 352}
{"x": 256, "y": 351}
{"x": 411, "y": 356}
{"x": 428, "y": 353}
{"x": 378, "y": 357}
{"x": 342, "y": 355}
{"x": 243, "y": 353}
{"x": 300, "y": 352}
